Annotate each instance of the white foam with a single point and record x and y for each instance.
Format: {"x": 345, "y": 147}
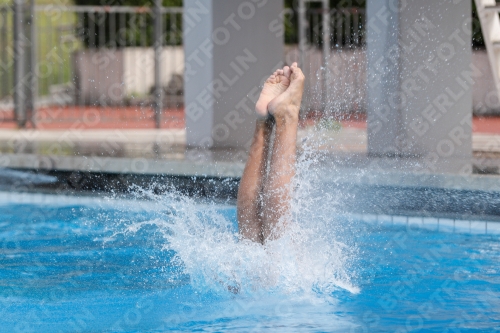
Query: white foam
{"x": 307, "y": 259}
{"x": 208, "y": 248}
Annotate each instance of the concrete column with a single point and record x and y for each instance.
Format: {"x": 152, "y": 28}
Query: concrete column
{"x": 230, "y": 47}
{"x": 420, "y": 81}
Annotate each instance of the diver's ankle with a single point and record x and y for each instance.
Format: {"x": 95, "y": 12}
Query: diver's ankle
{"x": 290, "y": 117}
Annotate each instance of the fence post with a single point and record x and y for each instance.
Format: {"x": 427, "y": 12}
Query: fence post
{"x": 31, "y": 85}
{"x": 326, "y": 50}
{"x": 19, "y": 63}
{"x": 158, "y": 46}
{"x": 34, "y": 63}
{"x": 3, "y": 46}
{"x": 303, "y": 22}
{"x": 302, "y": 32}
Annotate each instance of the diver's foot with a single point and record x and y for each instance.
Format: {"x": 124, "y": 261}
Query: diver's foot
{"x": 287, "y": 105}
{"x": 276, "y": 84}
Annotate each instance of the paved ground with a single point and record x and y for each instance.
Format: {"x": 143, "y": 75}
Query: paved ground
{"x": 126, "y": 117}
{"x": 130, "y": 133}
{"x": 348, "y": 138}
{"x": 487, "y": 125}
{"x": 134, "y": 127}
{"x": 137, "y": 117}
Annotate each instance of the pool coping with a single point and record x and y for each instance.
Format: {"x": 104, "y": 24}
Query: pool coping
{"x": 218, "y": 179}
{"x": 124, "y": 165}
{"x": 232, "y": 169}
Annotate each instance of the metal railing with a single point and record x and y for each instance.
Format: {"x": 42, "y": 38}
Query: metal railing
{"x": 96, "y": 61}
{"x": 123, "y": 66}
{"x": 331, "y": 51}
{"x": 6, "y": 63}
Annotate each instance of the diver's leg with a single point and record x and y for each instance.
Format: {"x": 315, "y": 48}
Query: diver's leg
{"x": 277, "y": 190}
{"x": 250, "y": 190}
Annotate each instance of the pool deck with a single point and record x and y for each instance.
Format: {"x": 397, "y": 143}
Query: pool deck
{"x": 152, "y": 151}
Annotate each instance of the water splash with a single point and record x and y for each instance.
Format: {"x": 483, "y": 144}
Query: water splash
{"x": 308, "y": 260}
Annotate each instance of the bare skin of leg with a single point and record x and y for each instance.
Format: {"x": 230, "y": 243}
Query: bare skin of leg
{"x": 250, "y": 219}
{"x": 277, "y": 189}
{"x": 249, "y": 199}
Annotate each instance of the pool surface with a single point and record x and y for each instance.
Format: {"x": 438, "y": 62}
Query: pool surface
{"x": 171, "y": 264}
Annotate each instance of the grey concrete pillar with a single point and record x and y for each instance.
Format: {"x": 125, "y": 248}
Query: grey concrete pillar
{"x": 420, "y": 81}
{"x": 230, "y": 47}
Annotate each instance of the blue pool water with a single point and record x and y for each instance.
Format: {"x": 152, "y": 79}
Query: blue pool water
{"x": 168, "y": 265}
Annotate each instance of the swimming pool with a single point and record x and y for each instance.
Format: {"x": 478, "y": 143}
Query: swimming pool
{"x": 174, "y": 264}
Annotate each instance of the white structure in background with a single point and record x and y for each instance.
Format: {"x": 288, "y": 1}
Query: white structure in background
{"x": 490, "y": 25}
{"x": 419, "y": 83}
{"x": 110, "y": 76}
{"x": 138, "y": 68}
